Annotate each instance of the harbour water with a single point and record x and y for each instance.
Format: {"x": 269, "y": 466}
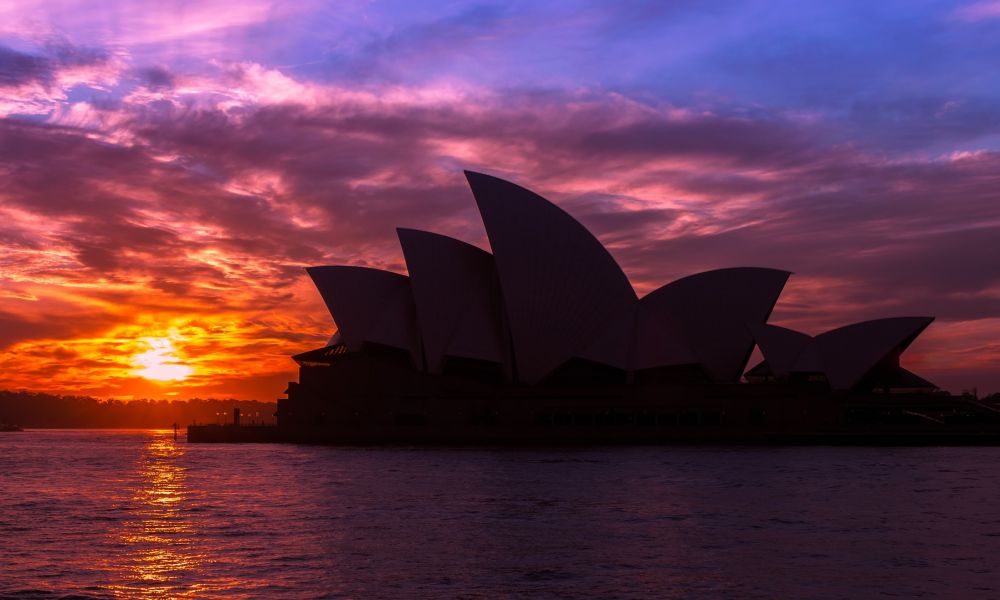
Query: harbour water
{"x": 134, "y": 514}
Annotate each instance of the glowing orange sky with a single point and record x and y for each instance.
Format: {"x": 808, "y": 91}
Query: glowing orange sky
{"x": 165, "y": 175}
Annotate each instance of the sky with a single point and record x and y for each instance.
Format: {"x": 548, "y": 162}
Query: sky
{"x": 167, "y": 170}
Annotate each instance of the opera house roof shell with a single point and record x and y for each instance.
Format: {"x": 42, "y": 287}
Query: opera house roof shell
{"x": 550, "y": 295}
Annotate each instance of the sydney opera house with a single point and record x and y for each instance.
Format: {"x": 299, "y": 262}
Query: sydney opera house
{"x": 544, "y": 339}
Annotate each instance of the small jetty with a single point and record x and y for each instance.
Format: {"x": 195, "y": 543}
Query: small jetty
{"x": 10, "y": 427}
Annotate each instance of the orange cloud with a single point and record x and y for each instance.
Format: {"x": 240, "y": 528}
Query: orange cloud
{"x": 186, "y": 212}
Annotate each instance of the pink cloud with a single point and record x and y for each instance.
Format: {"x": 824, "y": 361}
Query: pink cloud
{"x": 134, "y": 22}
{"x": 207, "y": 194}
{"x": 978, "y": 11}
{"x": 38, "y": 84}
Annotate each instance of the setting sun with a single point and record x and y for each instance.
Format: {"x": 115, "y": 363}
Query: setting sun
{"x": 160, "y": 362}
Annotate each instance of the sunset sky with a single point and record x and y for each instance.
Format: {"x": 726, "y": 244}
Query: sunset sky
{"x": 168, "y": 169}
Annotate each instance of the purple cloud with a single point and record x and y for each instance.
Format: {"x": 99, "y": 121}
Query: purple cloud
{"x": 146, "y": 194}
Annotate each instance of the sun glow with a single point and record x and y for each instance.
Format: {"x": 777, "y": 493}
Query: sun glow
{"x": 160, "y": 362}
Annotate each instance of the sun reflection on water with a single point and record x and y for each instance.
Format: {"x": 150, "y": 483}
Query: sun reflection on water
{"x": 157, "y": 556}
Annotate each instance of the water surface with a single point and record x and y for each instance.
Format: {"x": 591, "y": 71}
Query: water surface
{"x": 134, "y": 514}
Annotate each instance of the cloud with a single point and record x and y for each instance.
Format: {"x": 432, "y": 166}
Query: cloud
{"x": 135, "y": 22}
{"x": 17, "y": 68}
{"x": 978, "y": 11}
{"x": 191, "y": 203}
{"x": 37, "y": 84}
{"x": 157, "y": 78}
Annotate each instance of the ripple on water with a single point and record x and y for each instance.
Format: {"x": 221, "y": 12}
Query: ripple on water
{"x": 115, "y": 514}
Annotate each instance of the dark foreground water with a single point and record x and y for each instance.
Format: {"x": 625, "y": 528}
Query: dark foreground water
{"x": 136, "y": 515}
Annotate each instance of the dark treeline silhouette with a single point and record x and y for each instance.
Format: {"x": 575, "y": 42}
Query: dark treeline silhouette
{"x": 33, "y": 409}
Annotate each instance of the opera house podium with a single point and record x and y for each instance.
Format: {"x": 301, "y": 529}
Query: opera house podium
{"x": 544, "y": 340}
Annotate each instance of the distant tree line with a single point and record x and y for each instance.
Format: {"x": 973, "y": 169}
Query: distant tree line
{"x": 33, "y": 409}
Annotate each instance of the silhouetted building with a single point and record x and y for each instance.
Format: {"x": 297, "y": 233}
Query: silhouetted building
{"x": 545, "y": 339}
